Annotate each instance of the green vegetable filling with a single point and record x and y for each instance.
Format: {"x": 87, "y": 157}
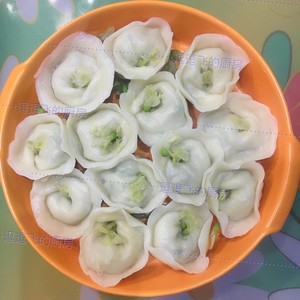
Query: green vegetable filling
{"x": 81, "y": 78}
{"x": 206, "y": 76}
{"x": 176, "y": 154}
{"x": 241, "y": 124}
{"x": 64, "y": 190}
{"x": 108, "y": 231}
{"x": 188, "y": 223}
{"x": 152, "y": 98}
{"x": 36, "y": 146}
{"x": 138, "y": 188}
{"x": 108, "y": 139}
{"x": 223, "y": 194}
{"x": 145, "y": 60}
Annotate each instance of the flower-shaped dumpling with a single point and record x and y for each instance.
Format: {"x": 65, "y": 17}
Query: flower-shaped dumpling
{"x": 181, "y": 158}
{"x": 246, "y": 128}
{"x": 77, "y": 74}
{"x": 40, "y": 147}
{"x": 234, "y": 193}
{"x": 61, "y": 204}
{"x": 140, "y": 49}
{"x": 213, "y": 69}
{"x": 114, "y": 246}
{"x": 180, "y": 236}
{"x": 157, "y": 105}
{"x": 101, "y": 138}
{"x": 131, "y": 184}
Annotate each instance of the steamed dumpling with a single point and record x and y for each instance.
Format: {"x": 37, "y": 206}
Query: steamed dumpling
{"x": 103, "y": 137}
{"x": 180, "y": 236}
{"x": 157, "y": 105}
{"x": 77, "y": 74}
{"x": 181, "y": 158}
{"x": 140, "y": 49}
{"x": 131, "y": 185}
{"x": 246, "y": 128}
{"x": 38, "y": 149}
{"x": 114, "y": 246}
{"x": 234, "y": 193}
{"x": 217, "y": 61}
{"x": 61, "y": 204}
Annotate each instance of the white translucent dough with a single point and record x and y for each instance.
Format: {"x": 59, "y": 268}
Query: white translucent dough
{"x": 114, "y": 246}
{"x": 140, "y": 49}
{"x": 157, "y": 105}
{"x": 38, "y": 149}
{"x": 61, "y": 204}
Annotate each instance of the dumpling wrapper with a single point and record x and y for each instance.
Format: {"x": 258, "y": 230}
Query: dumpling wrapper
{"x": 234, "y": 193}
{"x": 131, "y": 185}
{"x": 61, "y": 205}
{"x": 157, "y": 105}
{"x": 140, "y": 49}
{"x": 246, "y": 128}
{"x": 114, "y": 246}
{"x": 215, "y": 62}
{"x": 181, "y": 158}
{"x": 103, "y": 137}
{"x": 180, "y": 236}
{"x": 40, "y": 147}
{"x": 76, "y": 77}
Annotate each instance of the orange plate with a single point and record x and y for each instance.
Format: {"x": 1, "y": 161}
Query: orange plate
{"x": 282, "y": 170}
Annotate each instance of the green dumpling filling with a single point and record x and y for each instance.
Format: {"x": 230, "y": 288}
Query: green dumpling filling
{"x": 108, "y": 139}
{"x": 223, "y": 194}
{"x": 148, "y": 59}
{"x": 240, "y": 123}
{"x": 108, "y": 231}
{"x": 138, "y": 188}
{"x": 36, "y": 146}
{"x": 206, "y": 76}
{"x": 152, "y": 98}
{"x": 81, "y": 78}
{"x": 175, "y": 153}
{"x": 188, "y": 223}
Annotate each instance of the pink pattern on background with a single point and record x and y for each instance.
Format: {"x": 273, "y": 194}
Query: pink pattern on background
{"x": 28, "y": 10}
{"x": 292, "y": 95}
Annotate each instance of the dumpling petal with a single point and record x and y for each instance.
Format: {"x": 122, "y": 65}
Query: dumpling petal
{"x": 140, "y": 49}
{"x": 40, "y": 147}
{"x": 114, "y": 246}
{"x": 246, "y": 128}
{"x": 180, "y": 236}
{"x": 131, "y": 185}
{"x": 75, "y": 77}
{"x": 234, "y": 195}
{"x": 157, "y": 105}
{"x": 181, "y": 158}
{"x": 103, "y": 137}
{"x": 61, "y": 204}
{"x": 217, "y": 61}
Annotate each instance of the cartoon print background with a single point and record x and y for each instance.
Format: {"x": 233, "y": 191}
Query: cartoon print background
{"x": 272, "y": 271}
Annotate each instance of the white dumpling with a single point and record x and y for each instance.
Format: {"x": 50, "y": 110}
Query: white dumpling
{"x": 180, "y": 236}
{"x": 181, "y": 158}
{"x": 114, "y": 246}
{"x": 140, "y": 49}
{"x": 103, "y": 137}
{"x": 61, "y": 204}
{"x": 234, "y": 193}
{"x": 213, "y": 69}
{"x": 76, "y": 77}
{"x": 246, "y": 128}
{"x": 131, "y": 185}
{"x": 157, "y": 105}
{"x": 38, "y": 150}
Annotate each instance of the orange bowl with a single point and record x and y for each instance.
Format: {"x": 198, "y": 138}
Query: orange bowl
{"x": 282, "y": 169}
